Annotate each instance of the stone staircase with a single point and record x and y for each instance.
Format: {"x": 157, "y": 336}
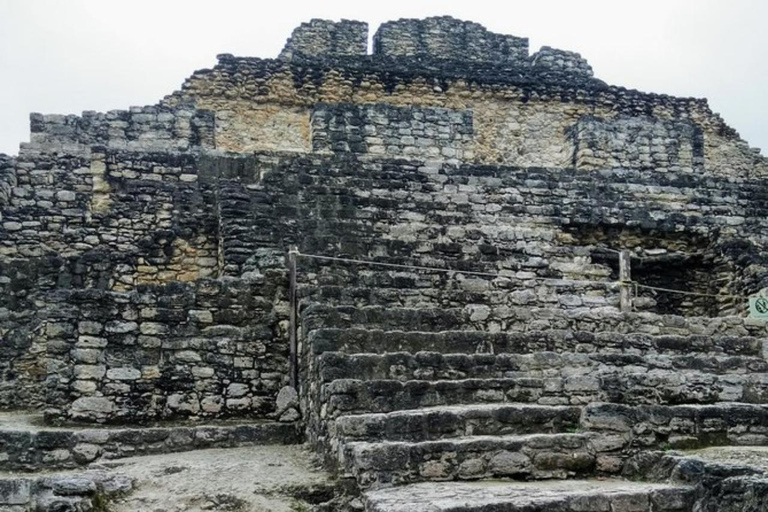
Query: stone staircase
{"x": 434, "y": 409}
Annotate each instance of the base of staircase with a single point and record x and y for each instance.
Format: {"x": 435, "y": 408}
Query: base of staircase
{"x": 565, "y": 496}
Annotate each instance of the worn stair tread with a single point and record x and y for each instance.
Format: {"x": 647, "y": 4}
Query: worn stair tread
{"x": 379, "y": 341}
{"x": 354, "y": 396}
{"x": 521, "y": 457}
{"x": 31, "y": 445}
{"x": 563, "y": 495}
{"x": 430, "y": 423}
{"x": 474, "y": 316}
{"x": 34, "y": 421}
{"x": 476, "y": 441}
{"x": 426, "y": 365}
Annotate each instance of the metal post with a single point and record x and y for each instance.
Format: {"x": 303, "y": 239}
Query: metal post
{"x": 625, "y": 278}
{"x": 292, "y": 298}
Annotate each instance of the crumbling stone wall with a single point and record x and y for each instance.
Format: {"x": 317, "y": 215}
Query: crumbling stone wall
{"x": 541, "y": 230}
{"x": 550, "y": 59}
{"x": 523, "y": 113}
{"x": 394, "y": 131}
{"x": 7, "y": 179}
{"x": 448, "y": 147}
{"x": 26, "y": 302}
{"x": 447, "y": 38}
{"x": 638, "y": 143}
{"x": 320, "y": 38}
{"x": 208, "y": 349}
{"x": 151, "y": 128}
{"x": 145, "y": 205}
{"x": 22, "y": 356}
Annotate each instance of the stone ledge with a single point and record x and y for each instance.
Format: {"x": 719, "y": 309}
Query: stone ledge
{"x": 568, "y": 496}
{"x": 25, "y": 446}
{"x": 60, "y": 492}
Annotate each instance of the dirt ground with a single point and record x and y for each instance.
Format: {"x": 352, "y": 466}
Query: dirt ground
{"x": 256, "y": 479}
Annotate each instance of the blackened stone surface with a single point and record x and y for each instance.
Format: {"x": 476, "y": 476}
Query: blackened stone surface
{"x": 324, "y": 38}
{"x": 447, "y": 38}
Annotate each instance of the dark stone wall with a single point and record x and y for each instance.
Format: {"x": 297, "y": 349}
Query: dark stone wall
{"x": 392, "y": 131}
{"x": 541, "y": 232}
{"x": 150, "y": 128}
{"x": 320, "y": 38}
{"x": 26, "y": 288}
{"x": 148, "y": 207}
{"x": 208, "y": 349}
{"x": 637, "y": 143}
{"x": 7, "y": 179}
{"x": 529, "y": 225}
{"x": 447, "y": 38}
{"x": 553, "y": 59}
{"x": 400, "y": 157}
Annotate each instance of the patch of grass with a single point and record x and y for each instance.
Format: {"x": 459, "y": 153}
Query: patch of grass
{"x": 100, "y": 503}
{"x": 300, "y": 506}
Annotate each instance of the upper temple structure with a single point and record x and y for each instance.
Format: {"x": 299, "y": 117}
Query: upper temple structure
{"x": 467, "y": 276}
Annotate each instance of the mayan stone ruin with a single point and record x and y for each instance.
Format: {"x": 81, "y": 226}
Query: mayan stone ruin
{"x": 446, "y": 273}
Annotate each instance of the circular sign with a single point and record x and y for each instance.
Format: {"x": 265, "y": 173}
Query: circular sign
{"x": 761, "y": 305}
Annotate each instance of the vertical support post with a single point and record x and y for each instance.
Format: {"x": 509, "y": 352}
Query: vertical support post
{"x": 292, "y": 298}
{"x": 625, "y": 278}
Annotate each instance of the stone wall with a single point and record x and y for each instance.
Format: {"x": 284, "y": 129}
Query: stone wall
{"x": 637, "y": 143}
{"x": 541, "y": 230}
{"x": 157, "y": 218}
{"x": 7, "y": 179}
{"x": 450, "y": 147}
{"x": 27, "y": 286}
{"x": 549, "y": 59}
{"x": 321, "y": 38}
{"x": 147, "y": 207}
{"x": 209, "y": 349}
{"x": 151, "y": 128}
{"x": 22, "y": 356}
{"x": 447, "y": 38}
{"x": 393, "y": 131}
{"x": 522, "y": 114}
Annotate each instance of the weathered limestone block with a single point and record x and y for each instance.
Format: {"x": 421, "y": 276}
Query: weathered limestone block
{"x": 393, "y": 131}
{"x": 324, "y": 38}
{"x": 637, "y": 143}
{"x": 549, "y": 59}
{"x": 447, "y": 38}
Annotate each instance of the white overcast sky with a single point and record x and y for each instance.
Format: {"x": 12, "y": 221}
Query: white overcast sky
{"x": 66, "y": 56}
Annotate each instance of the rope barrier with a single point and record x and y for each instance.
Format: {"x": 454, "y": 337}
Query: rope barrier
{"x": 636, "y": 285}
{"x": 686, "y": 292}
{"x": 446, "y": 270}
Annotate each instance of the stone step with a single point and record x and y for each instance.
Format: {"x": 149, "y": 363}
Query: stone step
{"x": 530, "y": 457}
{"x": 28, "y": 445}
{"x": 541, "y": 496}
{"x": 483, "y": 317}
{"x": 456, "y": 421}
{"x": 350, "y": 396}
{"x": 679, "y": 426}
{"x": 668, "y": 387}
{"x": 54, "y": 492}
{"x": 353, "y": 396}
{"x": 433, "y": 291}
{"x": 728, "y": 479}
{"x": 640, "y": 427}
{"x": 358, "y": 340}
{"x": 437, "y": 366}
